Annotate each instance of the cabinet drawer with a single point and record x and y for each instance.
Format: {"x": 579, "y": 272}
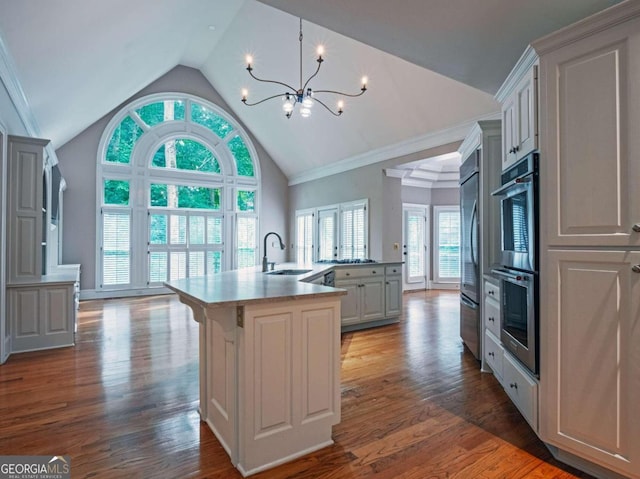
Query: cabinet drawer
{"x": 522, "y": 389}
{"x": 348, "y": 273}
{"x": 492, "y": 316}
{"x": 491, "y": 290}
{"x": 391, "y": 270}
{"x": 493, "y": 354}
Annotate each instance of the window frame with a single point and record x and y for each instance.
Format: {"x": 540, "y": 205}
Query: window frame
{"x": 141, "y": 174}
{"x": 336, "y": 210}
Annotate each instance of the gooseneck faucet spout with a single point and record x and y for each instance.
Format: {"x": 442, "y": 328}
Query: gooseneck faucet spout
{"x": 265, "y": 262}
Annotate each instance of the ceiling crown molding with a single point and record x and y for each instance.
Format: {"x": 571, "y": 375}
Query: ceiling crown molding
{"x": 9, "y": 77}
{"x": 412, "y": 145}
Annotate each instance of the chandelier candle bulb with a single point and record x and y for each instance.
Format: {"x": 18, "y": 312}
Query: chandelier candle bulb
{"x": 304, "y": 95}
{"x": 245, "y": 92}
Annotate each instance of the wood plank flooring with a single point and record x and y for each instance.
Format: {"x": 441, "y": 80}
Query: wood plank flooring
{"x": 122, "y": 402}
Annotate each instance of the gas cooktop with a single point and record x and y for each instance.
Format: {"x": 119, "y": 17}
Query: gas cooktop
{"x": 347, "y": 261}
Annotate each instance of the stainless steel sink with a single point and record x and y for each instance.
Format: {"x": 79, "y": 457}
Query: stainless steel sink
{"x": 289, "y": 272}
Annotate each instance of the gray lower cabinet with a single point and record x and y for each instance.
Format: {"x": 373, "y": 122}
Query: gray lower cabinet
{"x": 374, "y": 295}
{"x": 42, "y": 315}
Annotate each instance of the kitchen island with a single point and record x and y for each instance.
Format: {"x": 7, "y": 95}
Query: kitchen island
{"x": 269, "y": 362}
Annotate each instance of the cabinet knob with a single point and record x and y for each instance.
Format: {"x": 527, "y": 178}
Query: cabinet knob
{"x": 491, "y": 353}
{"x": 491, "y": 293}
{"x": 636, "y": 227}
{"x": 373, "y": 272}
{"x": 513, "y": 385}
{"x": 347, "y": 274}
{"x": 491, "y": 318}
{"x": 388, "y": 282}
{"x": 636, "y": 268}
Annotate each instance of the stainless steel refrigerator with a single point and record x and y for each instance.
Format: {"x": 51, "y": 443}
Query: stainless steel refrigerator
{"x": 469, "y": 253}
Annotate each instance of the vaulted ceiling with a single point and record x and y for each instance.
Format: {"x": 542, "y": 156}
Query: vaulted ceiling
{"x": 433, "y": 65}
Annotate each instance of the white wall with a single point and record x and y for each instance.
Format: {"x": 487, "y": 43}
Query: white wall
{"x": 78, "y": 163}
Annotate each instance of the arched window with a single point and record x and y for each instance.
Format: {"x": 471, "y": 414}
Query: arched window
{"x": 178, "y": 193}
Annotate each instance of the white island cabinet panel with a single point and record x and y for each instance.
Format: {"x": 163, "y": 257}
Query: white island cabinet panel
{"x": 269, "y": 363}
{"x": 290, "y": 381}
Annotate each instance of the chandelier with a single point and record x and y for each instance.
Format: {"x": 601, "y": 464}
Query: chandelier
{"x": 304, "y": 96}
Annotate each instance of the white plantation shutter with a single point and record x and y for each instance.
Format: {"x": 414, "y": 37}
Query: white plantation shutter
{"x": 448, "y": 243}
{"x": 116, "y": 249}
{"x": 327, "y": 224}
{"x": 246, "y": 232}
{"x": 304, "y": 237}
{"x": 415, "y": 248}
{"x": 353, "y": 231}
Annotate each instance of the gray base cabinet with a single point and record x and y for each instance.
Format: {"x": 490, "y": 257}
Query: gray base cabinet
{"x": 374, "y": 295}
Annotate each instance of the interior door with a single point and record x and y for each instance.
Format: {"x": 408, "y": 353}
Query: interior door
{"x": 415, "y": 228}
{"x": 4, "y": 322}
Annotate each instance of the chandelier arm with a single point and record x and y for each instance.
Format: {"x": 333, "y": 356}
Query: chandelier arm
{"x": 329, "y": 109}
{"x": 341, "y": 93}
{"x": 272, "y": 81}
{"x": 312, "y": 76}
{"x": 244, "y": 100}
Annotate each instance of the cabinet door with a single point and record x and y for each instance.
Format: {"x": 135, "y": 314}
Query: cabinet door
{"x": 591, "y": 109}
{"x": 526, "y": 120}
{"x": 372, "y": 291}
{"x": 591, "y": 356}
{"x": 509, "y": 132}
{"x": 26, "y": 208}
{"x": 350, "y": 302}
{"x": 393, "y": 296}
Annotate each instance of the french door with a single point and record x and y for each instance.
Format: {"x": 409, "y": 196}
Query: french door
{"x": 415, "y": 228}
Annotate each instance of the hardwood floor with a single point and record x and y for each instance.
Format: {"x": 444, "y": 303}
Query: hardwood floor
{"x": 122, "y": 402}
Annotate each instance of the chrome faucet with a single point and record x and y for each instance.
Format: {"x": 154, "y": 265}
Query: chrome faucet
{"x": 265, "y": 262}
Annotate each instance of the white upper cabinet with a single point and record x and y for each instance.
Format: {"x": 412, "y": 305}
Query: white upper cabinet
{"x": 519, "y": 98}
{"x": 591, "y": 104}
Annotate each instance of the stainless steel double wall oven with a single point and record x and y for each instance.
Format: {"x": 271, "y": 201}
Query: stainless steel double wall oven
{"x": 519, "y": 283}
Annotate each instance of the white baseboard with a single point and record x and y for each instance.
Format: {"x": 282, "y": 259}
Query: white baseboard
{"x": 87, "y": 294}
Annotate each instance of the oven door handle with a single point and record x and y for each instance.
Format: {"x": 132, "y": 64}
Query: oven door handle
{"x": 504, "y": 189}
{"x": 509, "y": 275}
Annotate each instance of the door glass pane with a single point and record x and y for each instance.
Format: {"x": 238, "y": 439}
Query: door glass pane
{"x": 196, "y": 230}
{"x": 326, "y": 236}
{"x": 246, "y": 251}
{"x": 157, "y": 266}
{"x": 196, "y": 264}
{"x": 214, "y": 230}
{"x": 415, "y": 244}
{"x": 115, "y": 247}
{"x": 178, "y": 229}
{"x": 304, "y": 240}
{"x": 158, "y": 229}
{"x": 178, "y": 265}
{"x": 214, "y": 261}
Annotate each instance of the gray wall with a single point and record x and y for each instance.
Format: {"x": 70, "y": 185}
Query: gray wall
{"x": 78, "y": 163}
{"x": 385, "y": 195}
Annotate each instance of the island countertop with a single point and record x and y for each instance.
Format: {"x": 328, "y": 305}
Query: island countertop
{"x": 250, "y": 285}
